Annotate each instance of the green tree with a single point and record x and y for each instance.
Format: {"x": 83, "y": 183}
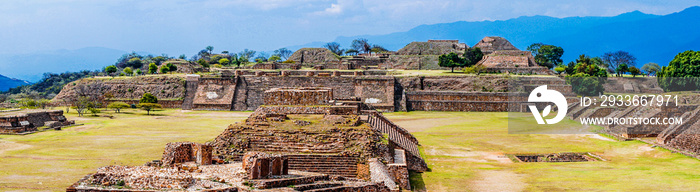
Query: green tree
{"x": 152, "y": 68}
{"x": 584, "y": 84}
{"x": 284, "y": 53}
{"x": 111, "y": 69}
{"x": 148, "y": 107}
{"x": 472, "y": 56}
{"x": 351, "y": 52}
{"x": 134, "y": 62}
{"x": 634, "y": 71}
{"x": 622, "y": 69}
{"x": 128, "y": 71}
{"x": 164, "y": 69}
{"x": 210, "y": 49}
{"x": 224, "y": 62}
{"x": 148, "y": 98}
{"x": 614, "y": 59}
{"x": 203, "y": 63}
{"x": 183, "y": 56}
{"x": 560, "y": 69}
{"x": 138, "y": 72}
{"x": 682, "y": 73}
{"x": 171, "y": 67}
{"x": 117, "y": 106}
{"x": 546, "y": 55}
{"x": 651, "y": 68}
{"x": 274, "y": 58}
{"x": 450, "y": 60}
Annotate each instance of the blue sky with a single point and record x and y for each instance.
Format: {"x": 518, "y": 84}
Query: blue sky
{"x": 187, "y": 26}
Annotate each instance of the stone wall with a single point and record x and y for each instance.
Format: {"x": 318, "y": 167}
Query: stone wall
{"x": 18, "y": 122}
{"x": 260, "y": 165}
{"x": 306, "y": 56}
{"x": 214, "y": 94}
{"x": 298, "y": 96}
{"x": 161, "y": 102}
{"x": 521, "y": 70}
{"x": 163, "y": 87}
{"x": 181, "y": 152}
{"x": 412, "y": 62}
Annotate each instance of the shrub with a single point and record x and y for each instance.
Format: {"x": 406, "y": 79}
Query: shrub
{"x": 128, "y": 71}
{"x": 288, "y": 61}
{"x": 217, "y": 66}
{"x": 584, "y": 84}
{"x": 152, "y": 68}
{"x": 148, "y": 98}
{"x": 476, "y": 69}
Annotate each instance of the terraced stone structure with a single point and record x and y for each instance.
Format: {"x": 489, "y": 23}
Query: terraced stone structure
{"x": 27, "y": 121}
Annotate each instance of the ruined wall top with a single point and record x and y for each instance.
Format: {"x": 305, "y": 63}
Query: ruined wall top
{"x": 490, "y": 44}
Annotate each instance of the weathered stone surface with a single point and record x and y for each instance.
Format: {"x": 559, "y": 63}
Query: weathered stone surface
{"x": 433, "y": 47}
{"x": 181, "y": 152}
{"x": 163, "y": 87}
{"x": 306, "y": 56}
{"x": 259, "y": 165}
{"x": 490, "y": 44}
{"x": 23, "y": 121}
{"x": 298, "y": 96}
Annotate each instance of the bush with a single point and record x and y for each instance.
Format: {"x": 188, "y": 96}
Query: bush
{"x": 584, "y": 84}
{"x": 476, "y": 69}
{"x": 128, "y": 71}
{"x": 217, "y": 66}
{"x": 288, "y": 61}
{"x": 152, "y": 68}
{"x": 148, "y": 98}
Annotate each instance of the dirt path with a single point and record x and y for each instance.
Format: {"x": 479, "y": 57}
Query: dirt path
{"x": 498, "y": 181}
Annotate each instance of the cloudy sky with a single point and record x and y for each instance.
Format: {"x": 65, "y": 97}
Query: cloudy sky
{"x": 186, "y": 26}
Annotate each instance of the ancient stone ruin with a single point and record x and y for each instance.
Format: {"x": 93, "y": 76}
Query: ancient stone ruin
{"x": 27, "y": 121}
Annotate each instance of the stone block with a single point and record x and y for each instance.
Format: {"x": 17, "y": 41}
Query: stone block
{"x": 259, "y": 165}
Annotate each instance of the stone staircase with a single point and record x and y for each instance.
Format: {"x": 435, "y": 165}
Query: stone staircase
{"x": 313, "y": 183}
{"x": 345, "y": 166}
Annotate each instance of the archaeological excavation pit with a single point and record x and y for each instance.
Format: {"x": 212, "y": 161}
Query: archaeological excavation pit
{"x": 555, "y": 157}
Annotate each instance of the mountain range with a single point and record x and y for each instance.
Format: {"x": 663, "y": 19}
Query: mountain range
{"x": 651, "y": 38}
{"x": 7, "y": 83}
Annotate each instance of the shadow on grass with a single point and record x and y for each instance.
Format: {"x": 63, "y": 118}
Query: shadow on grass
{"x": 417, "y": 183}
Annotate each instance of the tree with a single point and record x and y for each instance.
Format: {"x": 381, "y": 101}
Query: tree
{"x": 128, "y": 71}
{"x": 614, "y": 59}
{"x": 450, "y": 60}
{"x": 117, "y": 106}
{"x": 586, "y": 65}
{"x": 284, "y": 53}
{"x": 622, "y": 69}
{"x": 134, "y": 62}
{"x": 378, "y": 49}
{"x": 584, "y": 84}
{"x": 148, "y": 98}
{"x": 94, "y": 110}
{"x": 651, "y": 68}
{"x": 351, "y": 52}
{"x": 634, "y": 71}
{"x": 111, "y": 69}
{"x": 183, "y": 56}
{"x": 152, "y": 68}
{"x": 148, "y": 107}
{"x": 472, "y": 56}
{"x": 86, "y": 97}
{"x": 682, "y": 73}
{"x": 171, "y": 67}
{"x": 274, "y": 58}
{"x": 247, "y": 55}
{"x": 138, "y": 72}
{"x": 546, "y": 55}
{"x": 209, "y": 49}
{"x": 164, "y": 69}
{"x": 335, "y": 48}
{"x": 224, "y": 61}
{"x": 203, "y": 63}
{"x": 560, "y": 69}
{"x": 361, "y": 45}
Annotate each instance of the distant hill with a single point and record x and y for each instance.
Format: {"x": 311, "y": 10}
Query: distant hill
{"x": 7, "y": 83}
{"x": 32, "y": 66}
{"x": 651, "y": 38}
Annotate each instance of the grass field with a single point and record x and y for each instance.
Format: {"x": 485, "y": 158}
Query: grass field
{"x": 465, "y": 152}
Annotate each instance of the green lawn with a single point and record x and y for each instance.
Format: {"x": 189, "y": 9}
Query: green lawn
{"x": 465, "y": 153}
{"x": 53, "y": 160}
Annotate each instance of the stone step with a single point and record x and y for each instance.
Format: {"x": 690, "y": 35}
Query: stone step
{"x": 319, "y": 185}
